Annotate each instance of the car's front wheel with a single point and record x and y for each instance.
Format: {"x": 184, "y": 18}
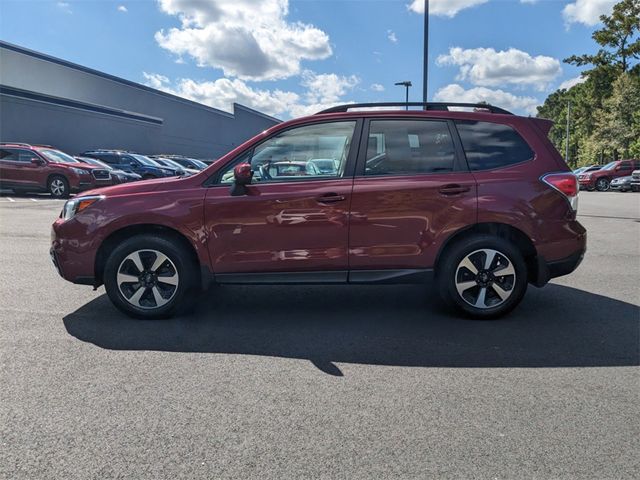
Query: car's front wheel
{"x": 150, "y": 277}
{"x": 602, "y": 185}
{"x": 58, "y": 187}
{"x": 483, "y": 276}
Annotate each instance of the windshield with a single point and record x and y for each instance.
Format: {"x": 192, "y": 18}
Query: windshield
{"x": 56, "y": 156}
{"x": 199, "y": 163}
{"x": 171, "y": 163}
{"x": 97, "y": 163}
{"x": 144, "y": 160}
{"x": 609, "y": 166}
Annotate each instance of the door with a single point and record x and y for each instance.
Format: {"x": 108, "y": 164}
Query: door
{"x": 411, "y": 191}
{"x": 294, "y": 218}
{"x": 16, "y": 168}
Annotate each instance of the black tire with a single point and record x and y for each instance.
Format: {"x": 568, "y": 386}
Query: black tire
{"x": 450, "y": 273}
{"x": 602, "y": 184}
{"x": 58, "y": 187}
{"x": 180, "y": 262}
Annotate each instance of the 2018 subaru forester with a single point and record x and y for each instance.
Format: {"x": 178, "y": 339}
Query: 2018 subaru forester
{"x": 480, "y": 200}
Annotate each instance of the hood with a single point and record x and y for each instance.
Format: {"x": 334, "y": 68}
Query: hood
{"x": 81, "y": 166}
{"x": 131, "y": 188}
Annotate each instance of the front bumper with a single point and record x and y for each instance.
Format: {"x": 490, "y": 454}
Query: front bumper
{"x": 73, "y": 251}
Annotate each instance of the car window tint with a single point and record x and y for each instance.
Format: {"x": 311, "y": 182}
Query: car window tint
{"x": 492, "y": 145}
{"x": 407, "y": 147}
{"x": 302, "y": 153}
{"x": 10, "y": 154}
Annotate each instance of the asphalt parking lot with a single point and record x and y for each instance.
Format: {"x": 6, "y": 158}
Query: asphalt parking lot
{"x": 321, "y": 382}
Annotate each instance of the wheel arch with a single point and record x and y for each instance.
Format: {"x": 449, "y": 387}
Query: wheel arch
{"x": 117, "y": 236}
{"x": 500, "y": 230}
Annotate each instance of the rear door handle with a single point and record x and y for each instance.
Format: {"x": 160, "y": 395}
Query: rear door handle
{"x": 454, "y": 189}
{"x": 330, "y": 198}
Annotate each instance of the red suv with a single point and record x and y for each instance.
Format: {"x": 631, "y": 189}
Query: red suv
{"x": 601, "y": 179}
{"x": 481, "y": 200}
{"x": 41, "y": 168}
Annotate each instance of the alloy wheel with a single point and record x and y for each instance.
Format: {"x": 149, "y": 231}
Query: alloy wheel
{"x": 603, "y": 185}
{"x": 57, "y": 187}
{"x": 485, "y": 278}
{"x": 147, "y": 279}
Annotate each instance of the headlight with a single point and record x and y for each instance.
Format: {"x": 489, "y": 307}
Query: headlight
{"x": 79, "y": 171}
{"x": 73, "y": 207}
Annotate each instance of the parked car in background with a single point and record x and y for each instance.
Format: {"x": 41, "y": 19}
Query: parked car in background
{"x": 186, "y": 162}
{"x": 621, "y": 184}
{"x": 588, "y": 169}
{"x": 601, "y": 179}
{"x": 118, "y": 176}
{"x": 635, "y": 181}
{"x": 42, "y": 168}
{"x": 481, "y": 201}
{"x": 131, "y": 162}
{"x": 177, "y": 168}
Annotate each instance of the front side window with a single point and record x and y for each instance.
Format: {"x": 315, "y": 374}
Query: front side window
{"x": 311, "y": 152}
{"x": 492, "y": 145}
{"x": 409, "y": 147}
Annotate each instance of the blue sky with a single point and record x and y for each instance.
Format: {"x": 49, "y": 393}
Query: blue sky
{"x": 289, "y": 58}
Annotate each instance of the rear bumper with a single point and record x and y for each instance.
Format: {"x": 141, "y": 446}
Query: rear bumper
{"x": 558, "y": 268}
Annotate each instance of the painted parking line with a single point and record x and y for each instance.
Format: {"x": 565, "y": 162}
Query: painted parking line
{"x": 10, "y": 199}
{"x": 33, "y": 199}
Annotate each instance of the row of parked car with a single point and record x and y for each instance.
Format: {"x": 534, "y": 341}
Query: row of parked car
{"x": 621, "y": 175}
{"x": 43, "y": 168}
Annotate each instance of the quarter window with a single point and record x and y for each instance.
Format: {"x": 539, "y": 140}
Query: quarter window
{"x": 409, "y": 147}
{"x": 492, "y": 145}
{"x": 304, "y": 153}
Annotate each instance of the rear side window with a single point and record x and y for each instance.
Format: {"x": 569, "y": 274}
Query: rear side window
{"x": 492, "y": 145}
{"x": 408, "y": 147}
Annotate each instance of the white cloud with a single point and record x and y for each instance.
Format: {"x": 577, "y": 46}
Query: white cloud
{"x": 376, "y": 87}
{"x": 122, "y": 8}
{"x": 321, "y": 91}
{"x": 391, "y": 35}
{"x": 444, "y": 8}
{"x": 498, "y": 98}
{"x": 489, "y": 68}
{"x": 155, "y": 80}
{"x": 572, "y": 82}
{"x": 587, "y": 12}
{"x": 246, "y": 39}
{"x": 64, "y": 6}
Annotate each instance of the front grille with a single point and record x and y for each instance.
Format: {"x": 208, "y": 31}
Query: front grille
{"x": 101, "y": 174}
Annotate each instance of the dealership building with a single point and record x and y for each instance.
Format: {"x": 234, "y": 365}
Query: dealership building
{"x": 46, "y": 100}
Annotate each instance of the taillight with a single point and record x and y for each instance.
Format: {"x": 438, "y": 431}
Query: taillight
{"x": 566, "y": 184}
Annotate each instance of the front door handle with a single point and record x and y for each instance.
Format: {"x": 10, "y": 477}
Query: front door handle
{"x": 454, "y": 189}
{"x": 330, "y": 198}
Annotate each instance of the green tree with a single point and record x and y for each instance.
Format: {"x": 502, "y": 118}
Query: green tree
{"x": 618, "y": 127}
{"x": 619, "y": 48}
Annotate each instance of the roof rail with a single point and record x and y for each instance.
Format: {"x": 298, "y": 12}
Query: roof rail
{"x": 442, "y": 106}
{"x": 22, "y": 144}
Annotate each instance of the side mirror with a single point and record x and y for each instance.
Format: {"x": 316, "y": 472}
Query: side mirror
{"x": 37, "y": 162}
{"x": 133, "y": 164}
{"x": 242, "y": 175}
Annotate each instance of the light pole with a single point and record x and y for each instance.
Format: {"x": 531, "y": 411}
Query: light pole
{"x": 568, "y": 131}
{"x": 425, "y": 67}
{"x": 406, "y": 84}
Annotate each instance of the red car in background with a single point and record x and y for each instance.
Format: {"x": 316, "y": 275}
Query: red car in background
{"x": 601, "y": 179}
{"x": 480, "y": 200}
{"x": 42, "y": 168}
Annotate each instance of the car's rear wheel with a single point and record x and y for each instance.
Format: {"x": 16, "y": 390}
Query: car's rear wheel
{"x": 58, "y": 187}
{"x": 483, "y": 276}
{"x": 602, "y": 185}
{"x": 150, "y": 277}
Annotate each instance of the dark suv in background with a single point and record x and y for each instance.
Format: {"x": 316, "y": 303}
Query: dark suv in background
{"x": 131, "y": 162}
{"x": 42, "y": 168}
{"x": 481, "y": 200}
